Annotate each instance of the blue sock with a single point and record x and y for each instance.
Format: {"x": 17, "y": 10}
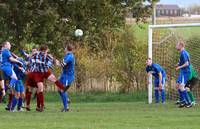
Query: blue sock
{"x": 163, "y": 95}
{"x": 20, "y": 100}
{"x": 14, "y": 102}
{"x": 12, "y": 82}
{"x": 60, "y": 95}
{"x": 65, "y": 99}
{"x": 181, "y": 97}
{"x": 157, "y": 96}
{"x": 185, "y": 95}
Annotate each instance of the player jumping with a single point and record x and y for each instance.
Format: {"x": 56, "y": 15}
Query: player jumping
{"x": 67, "y": 76}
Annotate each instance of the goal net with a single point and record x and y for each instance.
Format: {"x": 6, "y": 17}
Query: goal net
{"x": 162, "y": 41}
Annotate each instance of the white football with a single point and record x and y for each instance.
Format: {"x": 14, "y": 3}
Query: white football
{"x": 78, "y": 33}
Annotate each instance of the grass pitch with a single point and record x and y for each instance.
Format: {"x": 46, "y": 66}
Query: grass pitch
{"x": 103, "y": 115}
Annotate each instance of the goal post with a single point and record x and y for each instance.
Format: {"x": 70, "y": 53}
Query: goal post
{"x": 151, "y": 29}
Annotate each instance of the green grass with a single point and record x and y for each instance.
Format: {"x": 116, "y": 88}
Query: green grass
{"x": 100, "y": 97}
{"x": 103, "y": 115}
{"x": 141, "y": 32}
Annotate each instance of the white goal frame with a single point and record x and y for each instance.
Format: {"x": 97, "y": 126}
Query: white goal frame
{"x": 150, "y": 46}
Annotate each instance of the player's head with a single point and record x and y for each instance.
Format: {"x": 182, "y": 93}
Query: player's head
{"x": 68, "y": 48}
{"x": 180, "y": 45}
{"x": 44, "y": 48}
{"x": 6, "y": 45}
{"x": 34, "y": 50}
{"x": 149, "y": 62}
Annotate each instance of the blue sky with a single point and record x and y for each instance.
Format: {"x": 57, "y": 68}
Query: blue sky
{"x": 181, "y": 3}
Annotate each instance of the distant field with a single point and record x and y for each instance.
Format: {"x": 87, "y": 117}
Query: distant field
{"x": 141, "y": 32}
{"x": 103, "y": 115}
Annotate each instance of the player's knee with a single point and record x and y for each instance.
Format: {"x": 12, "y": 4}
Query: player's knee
{"x": 40, "y": 87}
{"x": 22, "y": 95}
{"x": 17, "y": 95}
{"x": 52, "y": 78}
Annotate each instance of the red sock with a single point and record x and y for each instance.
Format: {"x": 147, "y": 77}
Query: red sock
{"x": 1, "y": 96}
{"x": 38, "y": 100}
{"x": 41, "y": 98}
{"x": 28, "y": 98}
{"x": 59, "y": 85}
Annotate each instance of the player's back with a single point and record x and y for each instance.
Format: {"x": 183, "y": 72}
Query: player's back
{"x": 184, "y": 57}
{"x": 5, "y": 57}
{"x": 20, "y": 73}
{"x": 154, "y": 69}
{"x": 40, "y": 62}
{"x": 70, "y": 62}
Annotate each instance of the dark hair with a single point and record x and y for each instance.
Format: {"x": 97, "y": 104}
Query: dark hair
{"x": 34, "y": 47}
{"x": 69, "y": 47}
{"x": 43, "y": 48}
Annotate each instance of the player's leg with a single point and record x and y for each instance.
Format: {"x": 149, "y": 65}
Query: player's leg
{"x": 191, "y": 96}
{"x": 20, "y": 100}
{"x": 8, "y": 71}
{"x": 52, "y": 78}
{"x": 28, "y": 95}
{"x": 40, "y": 96}
{"x": 38, "y": 78}
{"x": 66, "y": 81}
{"x": 182, "y": 83}
{"x": 13, "y": 80}
{"x": 10, "y": 97}
{"x": 2, "y": 85}
{"x": 163, "y": 91}
{"x": 156, "y": 90}
{"x": 181, "y": 96}
{"x": 189, "y": 86}
{"x": 16, "y": 97}
{"x": 28, "y": 91}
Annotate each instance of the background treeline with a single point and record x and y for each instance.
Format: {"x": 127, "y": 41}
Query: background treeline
{"x": 109, "y": 56}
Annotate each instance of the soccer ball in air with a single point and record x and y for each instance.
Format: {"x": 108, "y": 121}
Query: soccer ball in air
{"x": 78, "y": 33}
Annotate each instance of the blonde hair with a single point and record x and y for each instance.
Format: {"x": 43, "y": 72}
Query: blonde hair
{"x": 181, "y": 43}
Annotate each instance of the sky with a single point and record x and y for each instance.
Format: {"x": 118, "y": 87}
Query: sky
{"x": 181, "y": 3}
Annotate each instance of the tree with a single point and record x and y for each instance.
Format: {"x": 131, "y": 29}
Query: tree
{"x": 53, "y": 22}
{"x": 128, "y": 61}
{"x": 44, "y": 21}
{"x": 153, "y": 5}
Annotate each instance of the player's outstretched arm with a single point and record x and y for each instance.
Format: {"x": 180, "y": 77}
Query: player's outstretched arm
{"x": 12, "y": 59}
